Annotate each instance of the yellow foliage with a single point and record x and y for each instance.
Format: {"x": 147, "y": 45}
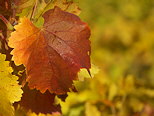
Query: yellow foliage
{"x": 10, "y": 90}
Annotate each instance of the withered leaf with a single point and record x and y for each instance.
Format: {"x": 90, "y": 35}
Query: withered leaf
{"x": 53, "y": 54}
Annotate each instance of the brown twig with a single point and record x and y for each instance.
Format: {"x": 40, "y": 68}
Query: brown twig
{"x": 7, "y": 23}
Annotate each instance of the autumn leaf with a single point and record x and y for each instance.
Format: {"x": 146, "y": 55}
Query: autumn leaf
{"x": 10, "y": 90}
{"x": 53, "y": 54}
{"x": 69, "y": 6}
{"x": 65, "y": 5}
{"x": 19, "y": 5}
{"x": 37, "y": 102}
{"x": 35, "y": 8}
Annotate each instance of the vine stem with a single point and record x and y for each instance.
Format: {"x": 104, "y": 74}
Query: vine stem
{"x": 7, "y": 23}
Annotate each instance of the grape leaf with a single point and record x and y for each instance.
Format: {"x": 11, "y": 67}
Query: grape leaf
{"x": 10, "y": 91}
{"x": 53, "y": 54}
{"x": 22, "y": 4}
{"x": 37, "y": 102}
{"x": 69, "y": 6}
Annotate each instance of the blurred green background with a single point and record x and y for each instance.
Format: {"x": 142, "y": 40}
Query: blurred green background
{"x": 122, "y": 40}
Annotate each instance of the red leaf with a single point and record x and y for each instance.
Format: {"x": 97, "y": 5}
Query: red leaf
{"x": 54, "y": 54}
{"x": 37, "y": 102}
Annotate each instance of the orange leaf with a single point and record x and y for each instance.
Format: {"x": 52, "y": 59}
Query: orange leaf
{"x": 53, "y": 54}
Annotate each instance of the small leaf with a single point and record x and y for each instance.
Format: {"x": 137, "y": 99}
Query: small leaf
{"x": 84, "y": 73}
